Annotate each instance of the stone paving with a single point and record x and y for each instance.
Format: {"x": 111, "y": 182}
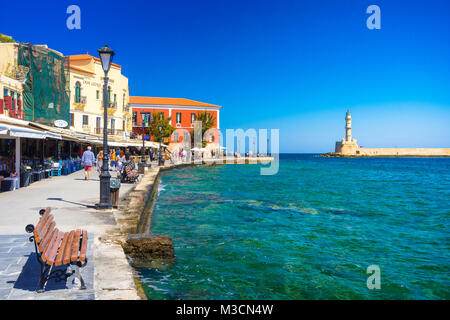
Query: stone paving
{"x": 72, "y": 199}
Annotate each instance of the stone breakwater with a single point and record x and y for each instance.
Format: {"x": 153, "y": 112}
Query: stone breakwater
{"x": 392, "y": 153}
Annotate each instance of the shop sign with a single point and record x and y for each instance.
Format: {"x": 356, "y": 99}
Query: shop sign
{"x": 60, "y": 123}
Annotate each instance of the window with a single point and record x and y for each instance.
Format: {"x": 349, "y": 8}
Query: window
{"x": 193, "y": 117}
{"x": 211, "y": 137}
{"x": 123, "y": 99}
{"x": 78, "y": 92}
{"x": 161, "y": 116}
{"x": 85, "y": 120}
{"x": 175, "y": 136}
{"x": 97, "y": 94}
{"x": 186, "y": 136}
{"x": 98, "y": 121}
{"x": 71, "y": 119}
{"x": 134, "y": 117}
{"x": 109, "y": 93}
{"x": 115, "y": 96}
{"x": 113, "y": 124}
{"x": 178, "y": 117}
{"x": 123, "y": 125}
{"x": 13, "y": 100}
{"x": 5, "y": 92}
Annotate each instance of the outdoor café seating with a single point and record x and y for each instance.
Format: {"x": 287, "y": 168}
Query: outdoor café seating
{"x": 56, "y": 168}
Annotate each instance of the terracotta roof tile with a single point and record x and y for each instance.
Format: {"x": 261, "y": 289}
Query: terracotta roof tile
{"x": 169, "y": 101}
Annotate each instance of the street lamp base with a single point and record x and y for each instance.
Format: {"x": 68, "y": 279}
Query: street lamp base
{"x": 103, "y": 206}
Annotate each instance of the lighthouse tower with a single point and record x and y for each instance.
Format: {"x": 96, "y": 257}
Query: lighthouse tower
{"x": 348, "y": 126}
{"x": 347, "y": 145}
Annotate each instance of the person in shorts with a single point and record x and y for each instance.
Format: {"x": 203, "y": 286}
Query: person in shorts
{"x": 87, "y": 160}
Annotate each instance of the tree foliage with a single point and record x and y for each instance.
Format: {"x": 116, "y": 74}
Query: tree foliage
{"x": 156, "y": 121}
{"x": 208, "y": 121}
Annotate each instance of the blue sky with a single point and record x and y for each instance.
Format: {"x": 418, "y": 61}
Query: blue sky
{"x": 292, "y": 65}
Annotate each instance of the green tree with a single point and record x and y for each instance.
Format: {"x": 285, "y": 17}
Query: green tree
{"x": 208, "y": 121}
{"x": 158, "y": 120}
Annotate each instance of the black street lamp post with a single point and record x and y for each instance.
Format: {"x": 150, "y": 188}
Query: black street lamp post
{"x": 106, "y": 56}
{"x": 143, "y": 114}
{"x": 160, "y": 139}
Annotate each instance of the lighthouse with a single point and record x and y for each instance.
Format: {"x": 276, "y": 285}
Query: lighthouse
{"x": 347, "y": 145}
{"x": 348, "y": 126}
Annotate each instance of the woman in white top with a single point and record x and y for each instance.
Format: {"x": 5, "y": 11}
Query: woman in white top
{"x": 120, "y": 160}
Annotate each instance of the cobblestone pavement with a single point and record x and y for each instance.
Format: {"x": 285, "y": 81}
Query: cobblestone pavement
{"x": 19, "y": 273}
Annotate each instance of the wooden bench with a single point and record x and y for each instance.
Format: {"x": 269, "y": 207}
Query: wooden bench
{"x": 55, "y": 248}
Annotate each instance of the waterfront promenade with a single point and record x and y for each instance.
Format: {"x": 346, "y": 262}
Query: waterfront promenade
{"x": 72, "y": 199}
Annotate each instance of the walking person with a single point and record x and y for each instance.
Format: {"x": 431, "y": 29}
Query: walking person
{"x": 120, "y": 161}
{"x": 112, "y": 156}
{"x": 127, "y": 154}
{"x": 87, "y": 161}
{"x": 100, "y": 161}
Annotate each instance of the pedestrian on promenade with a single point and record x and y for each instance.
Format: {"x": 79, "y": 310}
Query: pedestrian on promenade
{"x": 127, "y": 154}
{"x": 120, "y": 161}
{"x": 112, "y": 156}
{"x": 87, "y": 161}
{"x": 100, "y": 161}
{"x": 184, "y": 155}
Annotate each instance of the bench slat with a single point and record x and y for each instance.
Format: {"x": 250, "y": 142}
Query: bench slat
{"x": 59, "y": 257}
{"x": 75, "y": 246}
{"x": 53, "y": 249}
{"x": 49, "y": 244}
{"x": 44, "y": 230}
{"x": 42, "y": 220}
{"x": 40, "y": 232}
{"x": 68, "y": 248}
{"x": 46, "y": 239}
{"x": 83, "y": 249}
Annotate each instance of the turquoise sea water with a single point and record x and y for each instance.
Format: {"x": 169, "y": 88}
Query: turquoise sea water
{"x": 309, "y": 232}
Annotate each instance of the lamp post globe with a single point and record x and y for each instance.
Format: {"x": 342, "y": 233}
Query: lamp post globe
{"x": 106, "y": 56}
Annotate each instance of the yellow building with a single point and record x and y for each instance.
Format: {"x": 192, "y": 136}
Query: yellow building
{"x": 86, "y": 99}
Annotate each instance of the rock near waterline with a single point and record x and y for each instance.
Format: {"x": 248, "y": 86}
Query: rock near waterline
{"x": 145, "y": 249}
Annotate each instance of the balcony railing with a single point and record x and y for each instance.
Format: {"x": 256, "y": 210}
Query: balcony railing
{"x": 114, "y": 132}
{"x": 126, "y": 108}
{"x": 112, "y": 104}
{"x": 86, "y": 128}
{"x": 112, "y": 108}
{"x": 80, "y": 103}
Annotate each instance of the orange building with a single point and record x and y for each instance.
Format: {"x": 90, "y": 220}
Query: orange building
{"x": 183, "y": 113}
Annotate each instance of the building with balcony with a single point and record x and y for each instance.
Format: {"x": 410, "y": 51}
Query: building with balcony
{"x": 33, "y": 83}
{"x": 86, "y": 101}
{"x": 11, "y": 98}
{"x": 183, "y": 114}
